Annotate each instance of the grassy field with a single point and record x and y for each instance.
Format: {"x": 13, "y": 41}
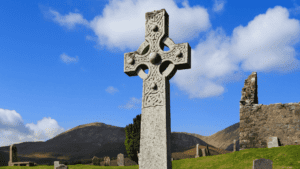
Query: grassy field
{"x": 282, "y": 157}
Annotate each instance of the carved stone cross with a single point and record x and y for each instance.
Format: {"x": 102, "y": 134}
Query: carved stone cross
{"x": 155, "y": 140}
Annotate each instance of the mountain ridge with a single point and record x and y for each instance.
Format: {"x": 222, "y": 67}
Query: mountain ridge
{"x": 100, "y": 139}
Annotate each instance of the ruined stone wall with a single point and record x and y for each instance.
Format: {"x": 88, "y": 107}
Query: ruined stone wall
{"x": 258, "y": 121}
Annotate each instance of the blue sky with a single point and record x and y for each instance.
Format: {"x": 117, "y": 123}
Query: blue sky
{"x": 61, "y": 63}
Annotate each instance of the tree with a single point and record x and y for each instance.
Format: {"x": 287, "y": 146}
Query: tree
{"x": 128, "y": 141}
{"x": 132, "y": 141}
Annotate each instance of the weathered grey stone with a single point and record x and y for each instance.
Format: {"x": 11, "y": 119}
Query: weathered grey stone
{"x": 106, "y": 161}
{"x": 56, "y": 164}
{"x": 13, "y": 158}
{"x": 13, "y": 155}
{"x": 203, "y": 152}
{"x": 62, "y": 166}
{"x": 197, "y": 151}
{"x": 155, "y": 141}
{"x": 259, "y": 122}
{"x": 171, "y": 159}
{"x": 234, "y": 145}
{"x": 272, "y": 142}
{"x": 262, "y": 164}
{"x": 120, "y": 159}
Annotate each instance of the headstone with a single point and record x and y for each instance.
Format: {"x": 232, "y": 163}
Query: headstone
{"x": 106, "y": 161}
{"x": 155, "y": 141}
{"x": 197, "y": 151}
{"x": 56, "y": 164}
{"x": 203, "y": 152}
{"x": 62, "y": 166}
{"x": 262, "y": 164}
{"x": 13, "y": 155}
{"x": 234, "y": 145}
{"x": 171, "y": 159}
{"x": 272, "y": 142}
{"x": 120, "y": 160}
{"x": 207, "y": 149}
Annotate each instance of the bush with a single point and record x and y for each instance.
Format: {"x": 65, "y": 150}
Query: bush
{"x": 97, "y": 161}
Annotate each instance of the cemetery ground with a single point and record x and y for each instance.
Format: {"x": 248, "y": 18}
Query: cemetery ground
{"x": 282, "y": 157}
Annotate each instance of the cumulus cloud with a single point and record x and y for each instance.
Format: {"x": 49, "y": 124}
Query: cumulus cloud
{"x": 133, "y": 103}
{"x": 267, "y": 41}
{"x": 13, "y": 129}
{"x": 69, "y": 20}
{"x": 67, "y": 59}
{"x": 218, "y": 5}
{"x": 265, "y": 44}
{"x": 111, "y": 90}
{"x": 122, "y": 23}
{"x": 46, "y": 128}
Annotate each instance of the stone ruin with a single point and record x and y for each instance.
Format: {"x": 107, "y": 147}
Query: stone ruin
{"x": 202, "y": 152}
{"x": 259, "y": 123}
{"x": 13, "y": 158}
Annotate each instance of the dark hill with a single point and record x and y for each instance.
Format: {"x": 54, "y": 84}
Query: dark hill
{"x": 99, "y": 139}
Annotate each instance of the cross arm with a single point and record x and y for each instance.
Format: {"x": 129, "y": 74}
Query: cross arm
{"x": 137, "y": 60}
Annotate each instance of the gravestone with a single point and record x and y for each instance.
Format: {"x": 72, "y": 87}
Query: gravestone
{"x": 262, "y": 164}
{"x": 197, "y": 151}
{"x": 13, "y": 155}
{"x": 207, "y": 149}
{"x": 155, "y": 141}
{"x": 62, "y": 166}
{"x": 106, "y": 161}
{"x": 234, "y": 145}
{"x": 120, "y": 160}
{"x": 171, "y": 159}
{"x": 56, "y": 164}
{"x": 272, "y": 142}
{"x": 203, "y": 152}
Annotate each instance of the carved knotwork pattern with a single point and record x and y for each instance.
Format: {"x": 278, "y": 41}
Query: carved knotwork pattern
{"x": 154, "y": 97}
{"x": 154, "y": 83}
{"x": 175, "y": 59}
{"x": 138, "y": 60}
{"x": 154, "y": 37}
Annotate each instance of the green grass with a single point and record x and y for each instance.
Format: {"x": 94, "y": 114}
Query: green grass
{"x": 282, "y": 157}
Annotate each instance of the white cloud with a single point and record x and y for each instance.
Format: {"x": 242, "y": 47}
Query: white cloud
{"x": 10, "y": 117}
{"x": 69, "y": 20}
{"x": 265, "y": 44}
{"x": 47, "y": 128}
{"x": 13, "y": 130}
{"x": 111, "y": 90}
{"x": 67, "y": 59}
{"x": 133, "y": 103}
{"x": 218, "y": 5}
{"x": 122, "y": 24}
{"x": 296, "y": 9}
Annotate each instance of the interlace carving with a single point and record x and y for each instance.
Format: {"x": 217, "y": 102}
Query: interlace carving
{"x": 151, "y": 55}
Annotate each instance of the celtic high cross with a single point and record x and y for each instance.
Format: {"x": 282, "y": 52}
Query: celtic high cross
{"x": 155, "y": 140}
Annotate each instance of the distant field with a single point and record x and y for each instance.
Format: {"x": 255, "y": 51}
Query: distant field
{"x": 282, "y": 157}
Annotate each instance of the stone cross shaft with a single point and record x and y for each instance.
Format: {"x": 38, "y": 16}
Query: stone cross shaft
{"x": 155, "y": 140}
